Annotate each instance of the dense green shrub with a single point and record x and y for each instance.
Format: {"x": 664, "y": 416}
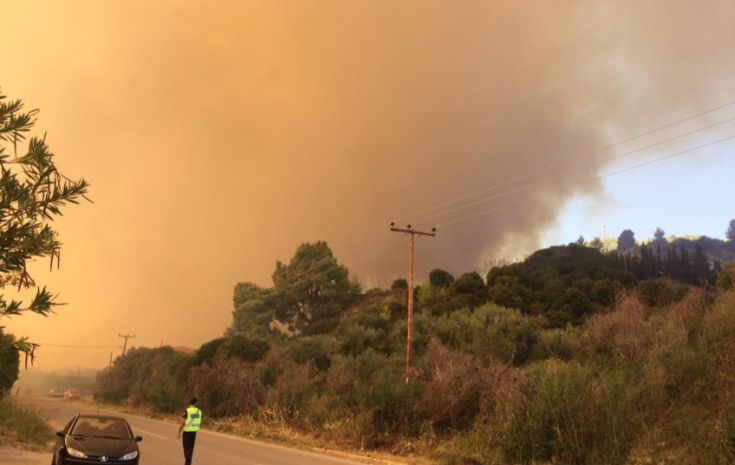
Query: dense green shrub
{"x": 228, "y": 387}
{"x": 569, "y": 414}
{"x": 661, "y": 292}
{"x": 490, "y": 330}
{"x": 246, "y": 348}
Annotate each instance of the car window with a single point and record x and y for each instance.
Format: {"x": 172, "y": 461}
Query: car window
{"x": 68, "y": 426}
{"x": 102, "y": 427}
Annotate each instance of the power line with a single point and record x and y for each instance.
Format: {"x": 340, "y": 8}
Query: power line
{"x": 75, "y": 346}
{"x": 575, "y": 170}
{"x": 590, "y": 154}
{"x": 370, "y": 235}
{"x": 606, "y": 175}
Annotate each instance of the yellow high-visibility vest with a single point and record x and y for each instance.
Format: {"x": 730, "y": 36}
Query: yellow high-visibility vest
{"x": 193, "y": 420}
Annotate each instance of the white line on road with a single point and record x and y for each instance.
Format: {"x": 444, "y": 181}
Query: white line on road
{"x": 150, "y": 434}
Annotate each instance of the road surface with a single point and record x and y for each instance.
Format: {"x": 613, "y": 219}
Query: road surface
{"x": 160, "y": 446}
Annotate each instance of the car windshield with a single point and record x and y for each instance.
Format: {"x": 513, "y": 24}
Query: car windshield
{"x": 114, "y": 428}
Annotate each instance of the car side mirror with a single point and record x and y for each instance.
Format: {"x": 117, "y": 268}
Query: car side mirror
{"x": 138, "y": 438}
{"x": 60, "y": 434}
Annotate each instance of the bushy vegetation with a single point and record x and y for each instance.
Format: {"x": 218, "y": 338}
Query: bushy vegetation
{"x": 9, "y": 362}
{"x": 21, "y": 424}
{"x": 564, "y": 358}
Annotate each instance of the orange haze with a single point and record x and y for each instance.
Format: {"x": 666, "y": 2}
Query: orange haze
{"x": 218, "y": 136}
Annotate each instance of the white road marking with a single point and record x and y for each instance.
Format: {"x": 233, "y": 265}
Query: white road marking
{"x": 150, "y": 434}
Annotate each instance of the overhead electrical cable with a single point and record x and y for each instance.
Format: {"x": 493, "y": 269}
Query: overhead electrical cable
{"x": 590, "y": 154}
{"x": 576, "y": 169}
{"x": 75, "y": 346}
{"x": 370, "y": 235}
{"x": 595, "y": 178}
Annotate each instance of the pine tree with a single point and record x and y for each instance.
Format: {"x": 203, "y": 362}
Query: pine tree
{"x": 685, "y": 266}
{"x": 700, "y": 269}
{"x": 659, "y": 236}
{"x": 672, "y": 263}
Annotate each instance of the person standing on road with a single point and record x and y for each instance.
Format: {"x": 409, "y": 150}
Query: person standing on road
{"x": 191, "y": 420}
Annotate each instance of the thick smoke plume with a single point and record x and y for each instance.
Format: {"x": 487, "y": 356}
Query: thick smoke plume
{"x": 220, "y": 136}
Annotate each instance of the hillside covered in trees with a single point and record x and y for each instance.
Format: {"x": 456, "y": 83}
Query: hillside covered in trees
{"x": 572, "y": 356}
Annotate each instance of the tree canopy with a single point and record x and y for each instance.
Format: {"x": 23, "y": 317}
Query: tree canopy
{"x": 312, "y": 289}
{"x": 32, "y": 194}
{"x": 626, "y": 240}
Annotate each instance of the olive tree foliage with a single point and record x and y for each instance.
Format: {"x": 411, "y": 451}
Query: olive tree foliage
{"x": 313, "y": 289}
{"x": 32, "y": 194}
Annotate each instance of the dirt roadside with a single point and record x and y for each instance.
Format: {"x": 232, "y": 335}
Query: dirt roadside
{"x": 16, "y": 456}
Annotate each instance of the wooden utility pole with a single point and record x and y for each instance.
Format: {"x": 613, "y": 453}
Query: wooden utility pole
{"x": 412, "y": 233}
{"x": 126, "y": 337}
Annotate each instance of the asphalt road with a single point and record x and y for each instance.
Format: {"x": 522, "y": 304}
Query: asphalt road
{"x": 160, "y": 446}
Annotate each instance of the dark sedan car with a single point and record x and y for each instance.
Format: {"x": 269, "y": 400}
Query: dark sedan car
{"x": 96, "y": 439}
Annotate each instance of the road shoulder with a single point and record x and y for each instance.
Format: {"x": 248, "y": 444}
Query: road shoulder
{"x": 19, "y": 456}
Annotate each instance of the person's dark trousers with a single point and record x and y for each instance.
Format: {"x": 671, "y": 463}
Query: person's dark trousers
{"x": 189, "y": 438}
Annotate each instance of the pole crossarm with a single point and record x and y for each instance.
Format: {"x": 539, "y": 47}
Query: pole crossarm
{"x": 415, "y": 232}
{"x": 125, "y": 344}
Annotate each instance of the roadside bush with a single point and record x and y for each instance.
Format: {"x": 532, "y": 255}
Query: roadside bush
{"x": 228, "y": 387}
{"x": 456, "y": 381}
{"x": 291, "y": 392}
{"x": 165, "y": 387}
{"x": 22, "y": 424}
{"x": 386, "y": 407}
{"x": 568, "y": 414}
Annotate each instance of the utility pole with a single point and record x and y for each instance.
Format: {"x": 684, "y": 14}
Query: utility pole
{"x": 126, "y": 337}
{"x": 110, "y": 365}
{"x": 412, "y": 233}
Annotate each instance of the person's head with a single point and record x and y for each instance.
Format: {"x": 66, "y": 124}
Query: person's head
{"x": 193, "y": 401}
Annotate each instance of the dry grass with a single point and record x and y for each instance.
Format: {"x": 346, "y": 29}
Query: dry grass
{"x": 23, "y": 426}
{"x": 622, "y": 332}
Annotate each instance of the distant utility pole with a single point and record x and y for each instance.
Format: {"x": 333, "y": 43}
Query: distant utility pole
{"x": 412, "y": 233}
{"x": 126, "y": 337}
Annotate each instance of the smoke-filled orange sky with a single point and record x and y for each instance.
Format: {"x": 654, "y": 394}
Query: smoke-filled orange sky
{"x": 218, "y": 136}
